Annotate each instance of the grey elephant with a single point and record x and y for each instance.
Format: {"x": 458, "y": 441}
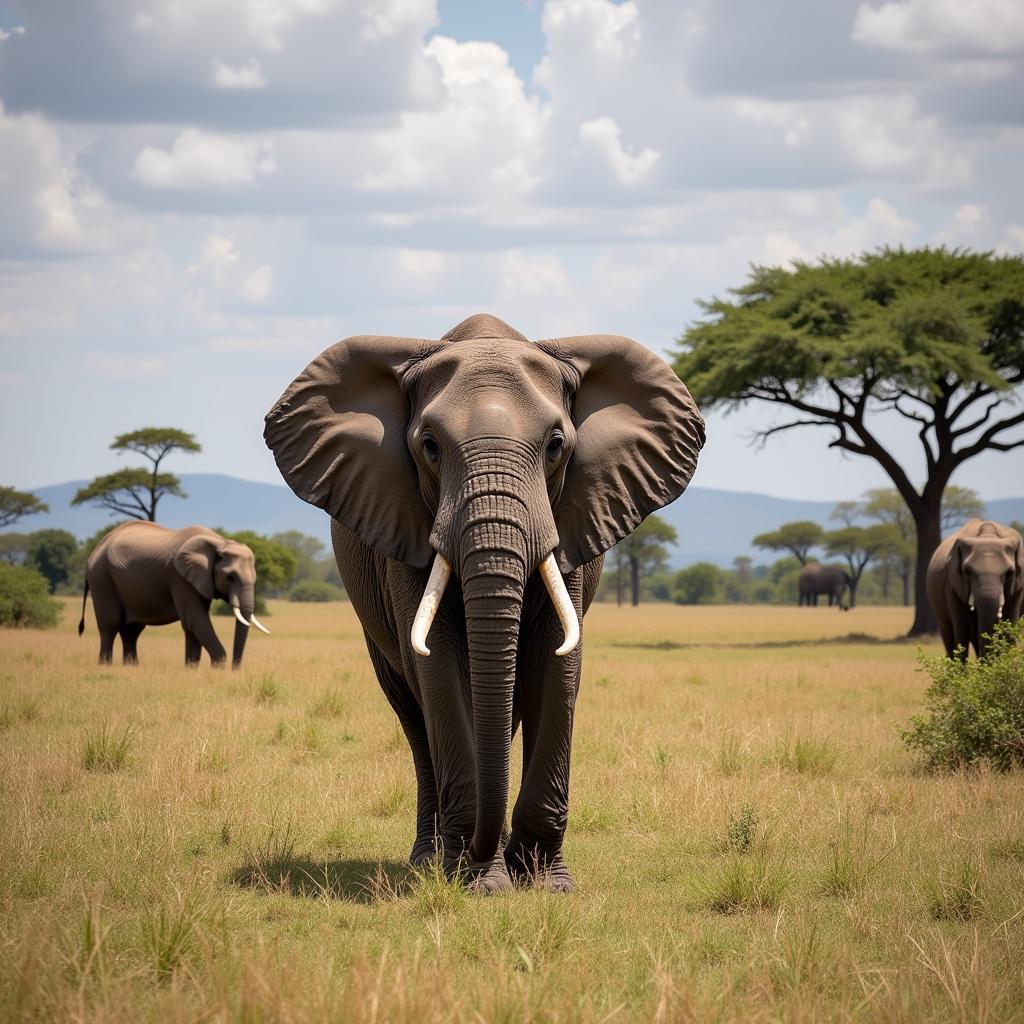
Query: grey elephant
{"x": 142, "y": 574}
{"x": 975, "y": 579}
{"x": 474, "y": 483}
{"x": 815, "y": 580}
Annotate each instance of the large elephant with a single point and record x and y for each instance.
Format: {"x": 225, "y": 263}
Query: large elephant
{"x": 817, "y": 579}
{"x": 474, "y": 483}
{"x": 975, "y": 578}
{"x": 142, "y": 574}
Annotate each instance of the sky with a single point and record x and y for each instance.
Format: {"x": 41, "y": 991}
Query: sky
{"x": 197, "y": 196}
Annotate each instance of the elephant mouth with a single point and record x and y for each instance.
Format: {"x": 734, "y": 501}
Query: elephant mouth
{"x": 440, "y": 573}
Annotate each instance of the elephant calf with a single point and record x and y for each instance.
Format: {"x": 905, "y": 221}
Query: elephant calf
{"x": 142, "y": 574}
{"x": 975, "y": 579}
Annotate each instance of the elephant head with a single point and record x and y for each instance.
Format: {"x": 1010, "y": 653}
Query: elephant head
{"x": 493, "y": 457}
{"x": 217, "y": 567}
{"x": 986, "y": 572}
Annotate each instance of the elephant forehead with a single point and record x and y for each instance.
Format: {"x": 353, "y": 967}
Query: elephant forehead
{"x": 500, "y": 360}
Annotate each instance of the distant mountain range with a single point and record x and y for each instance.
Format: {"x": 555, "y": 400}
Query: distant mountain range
{"x": 713, "y": 525}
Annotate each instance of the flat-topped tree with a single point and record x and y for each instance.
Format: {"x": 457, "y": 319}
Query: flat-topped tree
{"x": 859, "y": 545}
{"x": 797, "y": 538}
{"x": 136, "y": 492}
{"x": 15, "y": 505}
{"x": 934, "y": 336}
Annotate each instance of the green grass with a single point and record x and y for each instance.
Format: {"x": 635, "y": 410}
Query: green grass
{"x": 750, "y": 838}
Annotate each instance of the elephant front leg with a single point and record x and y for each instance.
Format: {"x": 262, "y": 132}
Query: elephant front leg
{"x": 193, "y": 649}
{"x": 548, "y": 689}
{"x": 427, "y": 843}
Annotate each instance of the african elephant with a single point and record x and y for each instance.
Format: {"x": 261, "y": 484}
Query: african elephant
{"x": 975, "y": 578}
{"x": 817, "y": 579}
{"x": 474, "y": 483}
{"x": 142, "y": 574}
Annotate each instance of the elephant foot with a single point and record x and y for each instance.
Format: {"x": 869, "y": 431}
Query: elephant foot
{"x": 485, "y": 879}
{"x": 533, "y": 869}
{"x": 426, "y": 850}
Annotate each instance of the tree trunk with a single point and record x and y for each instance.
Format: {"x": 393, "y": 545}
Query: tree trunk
{"x": 905, "y": 576}
{"x": 929, "y": 536}
{"x": 634, "y": 573}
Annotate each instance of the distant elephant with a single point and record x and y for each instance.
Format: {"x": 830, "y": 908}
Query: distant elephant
{"x": 142, "y": 574}
{"x": 975, "y": 579}
{"x": 474, "y": 483}
{"x": 823, "y": 579}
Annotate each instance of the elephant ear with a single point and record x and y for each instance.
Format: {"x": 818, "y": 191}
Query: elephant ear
{"x": 955, "y": 573}
{"x": 1018, "y": 560}
{"x": 638, "y": 434}
{"x": 194, "y": 562}
{"x": 338, "y": 437}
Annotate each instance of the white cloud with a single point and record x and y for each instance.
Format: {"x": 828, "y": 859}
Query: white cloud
{"x": 245, "y": 76}
{"x": 420, "y": 264}
{"x": 257, "y": 286}
{"x": 199, "y": 159}
{"x": 526, "y": 276}
{"x": 217, "y": 258}
{"x": 385, "y": 18}
{"x": 958, "y": 26}
{"x": 128, "y": 367}
{"x": 602, "y": 135}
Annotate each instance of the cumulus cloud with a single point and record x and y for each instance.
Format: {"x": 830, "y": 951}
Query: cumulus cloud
{"x": 245, "y": 76}
{"x": 602, "y": 135}
{"x": 952, "y": 26}
{"x": 198, "y": 159}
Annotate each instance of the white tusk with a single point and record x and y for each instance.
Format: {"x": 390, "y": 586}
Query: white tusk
{"x": 259, "y": 625}
{"x": 239, "y": 615}
{"x": 555, "y": 586}
{"x": 439, "y": 573}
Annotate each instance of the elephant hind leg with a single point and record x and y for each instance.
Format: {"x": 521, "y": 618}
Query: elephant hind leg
{"x": 130, "y": 632}
{"x": 107, "y": 636}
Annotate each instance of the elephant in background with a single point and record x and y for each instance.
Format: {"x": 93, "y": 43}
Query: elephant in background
{"x": 975, "y": 579}
{"x": 817, "y": 579}
{"x": 474, "y": 483}
{"x": 142, "y": 574}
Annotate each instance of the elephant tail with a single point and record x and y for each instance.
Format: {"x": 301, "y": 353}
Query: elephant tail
{"x": 81, "y": 621}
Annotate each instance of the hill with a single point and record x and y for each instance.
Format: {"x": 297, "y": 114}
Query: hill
{"x": 713, "y": 525}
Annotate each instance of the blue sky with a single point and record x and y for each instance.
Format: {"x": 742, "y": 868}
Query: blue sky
{"x": 200, "y": 195}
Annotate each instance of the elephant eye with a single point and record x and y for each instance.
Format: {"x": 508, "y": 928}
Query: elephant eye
{"x": 431, "y": 448}
{"x": 555, "y": 448}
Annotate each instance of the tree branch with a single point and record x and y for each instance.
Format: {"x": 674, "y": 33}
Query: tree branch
{"x": 987, "y": 440}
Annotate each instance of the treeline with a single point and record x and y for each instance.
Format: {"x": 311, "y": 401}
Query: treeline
{"x": 875, "y": 545}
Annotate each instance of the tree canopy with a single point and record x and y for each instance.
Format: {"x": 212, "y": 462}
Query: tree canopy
{"x": 15, "y": 505}
{"x": 859, "y": 545}
{"x": 51, "y": 553}
{"x": 644, "y": 551}
{"x": 935, "y": 336}
{"x": 797, "y": 538}
{"x": 136, "y": 492}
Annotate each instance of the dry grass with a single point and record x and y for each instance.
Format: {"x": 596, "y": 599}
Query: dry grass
{"x": 750, "y": 840}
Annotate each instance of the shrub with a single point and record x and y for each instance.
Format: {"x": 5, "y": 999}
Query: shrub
{"x": 25, "y": 599}
{"x": 975, "y": 708}
{"x": 315, "y": 590}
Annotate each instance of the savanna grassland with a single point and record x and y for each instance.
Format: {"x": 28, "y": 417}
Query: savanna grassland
{"x": 749, "y": 836}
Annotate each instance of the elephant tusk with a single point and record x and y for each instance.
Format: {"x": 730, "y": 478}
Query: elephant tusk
{"x": 259, "y": 625}
{"x": 440, "y": 571}
{"x": 555, "y": 586}
{"x": 239, "y": 615}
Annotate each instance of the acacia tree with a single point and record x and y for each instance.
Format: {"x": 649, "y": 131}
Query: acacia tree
{"x": 934, "y": 336}
{"x": 136, "y": 492}
{"x": 797, "y": 538}
{"x": 859, "y": 545}
{"x": 644, "y": 551}
{"x": 14, "y": 505}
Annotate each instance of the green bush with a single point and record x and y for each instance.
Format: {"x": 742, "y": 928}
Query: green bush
{"x": 314, "y": 590}
{"x": 975, "y": 708}
{"x": 25, "y": 599}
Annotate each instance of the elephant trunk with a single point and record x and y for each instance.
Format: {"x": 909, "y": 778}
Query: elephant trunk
{"x": 493, "y": 575}
{"x": 243, "y": 601}
{"x": 988, "y": 607}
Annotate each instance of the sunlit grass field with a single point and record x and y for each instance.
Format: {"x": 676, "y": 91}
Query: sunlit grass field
{"x": 750, "y": 839}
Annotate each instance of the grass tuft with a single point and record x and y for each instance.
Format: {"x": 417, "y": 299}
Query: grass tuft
{"x": 956, "y": 895}
{"x": 266, "y": 689}
{"x": 330, "y": 704}
{"x": 104, "y": 750}
{"x": 744, "y": 883}
{"x": 805, "y": 754}
{"x": 168, "y": 935}
{"x": 742, "y": 829}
